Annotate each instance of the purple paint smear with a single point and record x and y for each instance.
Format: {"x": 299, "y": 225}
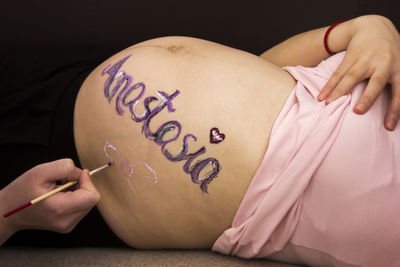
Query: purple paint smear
{"x": 120, "y": 78}
{"x": 132, "y": 171}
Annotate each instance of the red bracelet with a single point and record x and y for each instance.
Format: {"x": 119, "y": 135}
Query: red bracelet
{"x": 326, "y": 36}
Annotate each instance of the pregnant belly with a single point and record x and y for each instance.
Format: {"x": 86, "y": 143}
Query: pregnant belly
{"x": 186, "y": 123}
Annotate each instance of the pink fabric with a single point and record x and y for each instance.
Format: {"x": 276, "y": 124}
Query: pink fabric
{"x": 330, "y": 180}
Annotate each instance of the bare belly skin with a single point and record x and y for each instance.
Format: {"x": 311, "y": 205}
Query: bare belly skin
{"x": 186, "y": 136}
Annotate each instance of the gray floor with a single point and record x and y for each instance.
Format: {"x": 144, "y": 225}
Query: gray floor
{"x": 28, "y": 256}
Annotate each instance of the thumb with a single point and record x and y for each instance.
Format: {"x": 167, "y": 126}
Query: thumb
{"x": 86, "y": 196}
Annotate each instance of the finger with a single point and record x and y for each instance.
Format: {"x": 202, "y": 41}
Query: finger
{"x": 375, "y": 86}
{"x": 76, "y": 218}
{"x": 336, "y": 77}
{"x": 85, "y": 182}
{"x": 57, "y": 170}
{"x": 393, "y": 114}
{"x": 85, "y": 197}
{"x": 66, "y": 222}
{"x": 355, "y": 74}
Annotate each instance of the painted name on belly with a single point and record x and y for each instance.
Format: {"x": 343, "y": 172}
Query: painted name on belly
{"x": 123, "y": 88}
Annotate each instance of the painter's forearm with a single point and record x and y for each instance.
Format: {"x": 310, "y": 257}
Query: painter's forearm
{"x": 6, "y": 229}
{"x": 307, "y": 48}
{"x": 4, "y": 236}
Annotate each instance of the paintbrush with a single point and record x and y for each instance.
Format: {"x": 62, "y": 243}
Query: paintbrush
{"x": 49, "y": 194}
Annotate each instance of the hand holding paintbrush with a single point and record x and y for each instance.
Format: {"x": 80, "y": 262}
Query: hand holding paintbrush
{"x": 60, "y": 212}
{"x": 52, "y": 192}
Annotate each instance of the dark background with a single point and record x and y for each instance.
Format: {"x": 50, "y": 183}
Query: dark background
{"x": 102, "y": 27}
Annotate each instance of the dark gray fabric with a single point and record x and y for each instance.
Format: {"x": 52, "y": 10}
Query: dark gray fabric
{"x": 90, "y": 256}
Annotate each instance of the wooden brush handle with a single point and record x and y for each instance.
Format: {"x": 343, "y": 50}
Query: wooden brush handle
{"x": 49, "y": 194}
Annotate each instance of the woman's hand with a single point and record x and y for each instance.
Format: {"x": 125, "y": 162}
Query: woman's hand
{"x": 373, "y": 52}
{"x": 60, "y": 212}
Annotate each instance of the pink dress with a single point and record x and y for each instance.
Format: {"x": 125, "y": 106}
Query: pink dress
{"x": 328, "y": 189}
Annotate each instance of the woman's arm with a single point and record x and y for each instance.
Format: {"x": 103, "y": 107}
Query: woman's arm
{"x": 307, "y": 48}
{"x": 373, "y": 52}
